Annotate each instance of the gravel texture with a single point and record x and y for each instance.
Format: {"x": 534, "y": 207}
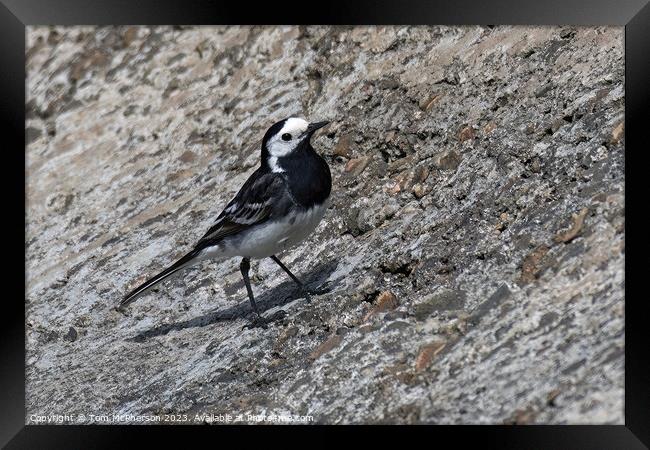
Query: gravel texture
{"x": 473, "y": 250}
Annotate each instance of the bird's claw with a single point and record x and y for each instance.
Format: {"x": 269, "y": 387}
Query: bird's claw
{"x": 307, "y": 292}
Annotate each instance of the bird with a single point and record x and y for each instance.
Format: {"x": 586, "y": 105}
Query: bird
{"x": 280, "y": 204}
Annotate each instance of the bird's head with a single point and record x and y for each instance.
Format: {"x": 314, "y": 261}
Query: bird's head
{"x": 286, "y": 136}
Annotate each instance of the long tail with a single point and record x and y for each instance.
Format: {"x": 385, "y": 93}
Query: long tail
{"x": 144, "y": 287}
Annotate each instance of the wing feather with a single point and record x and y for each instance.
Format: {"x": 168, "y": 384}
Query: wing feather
{"x": 257, "y": 201}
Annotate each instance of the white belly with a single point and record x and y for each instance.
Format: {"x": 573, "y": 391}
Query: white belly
{"x": 271, "y": 238}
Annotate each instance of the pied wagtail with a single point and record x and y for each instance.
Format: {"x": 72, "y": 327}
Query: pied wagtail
{"x": 279, "y": 205}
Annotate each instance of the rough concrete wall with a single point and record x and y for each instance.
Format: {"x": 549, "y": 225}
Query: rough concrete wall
{"x": 473, "y": 250}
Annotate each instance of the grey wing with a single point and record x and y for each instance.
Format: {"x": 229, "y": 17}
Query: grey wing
{"x": 262, "y": 197}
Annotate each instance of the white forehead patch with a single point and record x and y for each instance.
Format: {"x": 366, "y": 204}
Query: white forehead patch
{"x": 294, "y": 125}
{"x": 278, "y": 147}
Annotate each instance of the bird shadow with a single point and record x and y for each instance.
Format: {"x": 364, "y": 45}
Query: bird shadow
{"x": 280, "y": 295}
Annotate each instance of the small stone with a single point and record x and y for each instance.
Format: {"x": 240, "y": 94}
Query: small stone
{"x": 82, "y": 321}
{"x": 388, "y": 211}
{"x": 130, "y": 35}
{"x": 344, "y": 146}
{"x": 59, "y": 283}
{"x": 53, "y": 37}
{"x": 551, "y": 396}
{"x": 521, "y": 417}
{"x": 502, "y": 224}
{"x": 489, "y": 128}
{"x": 618, "y": 133}
{"x": 427, "y": 353}
{"x": 60, "y": 203}
{"x": 276, "y": 362}
{"x": 381, "y": 167}
{"x": 284, "y": 336}
{"x": 536, "y": 165}
{"x": 89, "y": 61}
{"x": 188, "y": 156}
{"x": 421, "y": 174}
{"x": 557, "y": 124}
{"x": 130, "y": 110}
{"x": 331, "y": 343}
{"x": 448, "y": 160}
{"x": 401, "y": 164}
{"x": 355, "y": 166}
{"x": 400, "y": 182}
{"x": 367, "y": 220}
{"x": 71, "y": 335}
{"x": 173, "y": 85}
{"x": 32, "y": 134}
{"x": 419, "y": 190}
{"x": 427, "y": 103}
{"x": 466, "y": 134}
{"x": 401, "y": 372}
{"x": 599, "y": 198}
{"x": 576, "y": 227}
{"x": 365, "y": 329}
{"x": 543, "y": 90}
{"x": 385, "y": 301}
{"x": 388, "y": 83}
{"x": 568, "y": 33}
{"x": 530, "y": 268}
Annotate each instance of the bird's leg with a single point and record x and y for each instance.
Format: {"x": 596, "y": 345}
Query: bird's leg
{"x": 245, "y": 266}
{"x": 302, "y": 286}
{"x": 283, "y": 267}
{"x": 259, "y": 321}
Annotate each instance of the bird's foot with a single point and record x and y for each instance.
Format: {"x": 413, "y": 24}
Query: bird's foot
{"x": 260, "y": 321}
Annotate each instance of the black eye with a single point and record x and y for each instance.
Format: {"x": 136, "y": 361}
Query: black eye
{"x": 286, "y": 137}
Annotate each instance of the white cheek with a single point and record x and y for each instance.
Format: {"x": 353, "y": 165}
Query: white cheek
{"x": 280, "y": 148}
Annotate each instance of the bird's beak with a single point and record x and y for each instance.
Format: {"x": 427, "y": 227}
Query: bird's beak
{"x": 315, "y": 126}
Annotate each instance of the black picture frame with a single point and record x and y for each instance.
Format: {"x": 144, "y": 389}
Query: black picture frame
{"x": 16, "y": 14}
